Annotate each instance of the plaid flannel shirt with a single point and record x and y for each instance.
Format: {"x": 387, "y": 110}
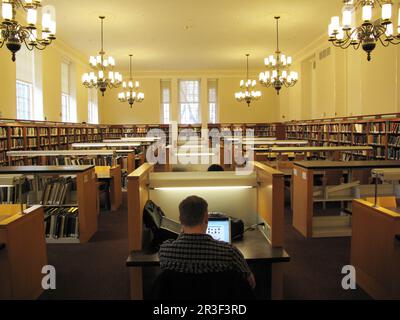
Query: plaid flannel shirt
{"x": 200, "y": 253}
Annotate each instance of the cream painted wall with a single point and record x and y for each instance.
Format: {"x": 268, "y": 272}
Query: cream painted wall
{"x": 146, "y": 112}
{"x": 51, "y": 73}
{"x": 343, "y": 84}
{"x": 7, "y": 86}
{"x": 229, "y": 111}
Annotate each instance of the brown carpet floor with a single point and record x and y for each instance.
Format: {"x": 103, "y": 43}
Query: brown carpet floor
{"x": 97, "y": 270}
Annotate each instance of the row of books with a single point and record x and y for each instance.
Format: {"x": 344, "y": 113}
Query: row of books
{"x": 9, "y": 195}
{"x": 360, "y": 140}
{"x": 360, "y": 127}
{"x": 43, "y": 132}
{"x": 32, "y": 142}
{"x": 345, "y": 137}
{"x": 17, "y": 131}
{"x": 3, "y": 132}
{"x": 56, "y": 191}
{"x": 394, "y": 141}
{"x": 379, "y": 152}
{"x": 376, "y": 139}
{"x": 377, "y": 127}
{"x": 17, "y": 143}
{"x": 80, "y": 161}
{"x": 61, "y": 222}
{"x": 3, "y": 145}
{"x": 393, "y": 154}
{"x": 31, "y": 132}
{"x": 394, "y": 128}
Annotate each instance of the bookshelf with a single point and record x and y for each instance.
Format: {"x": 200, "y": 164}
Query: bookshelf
{"x": 80, "y": 196}
{"x": 261, "y": 130}
{"x": 381, "y": 132}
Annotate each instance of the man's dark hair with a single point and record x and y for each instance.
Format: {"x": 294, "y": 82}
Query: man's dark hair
{"x": 215, "y": 167}
{"x": 192, "y": 211}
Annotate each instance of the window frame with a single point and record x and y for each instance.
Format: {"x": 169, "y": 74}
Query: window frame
{"x": 93, "y": 115}
{"x": 29, "y": 99}
{"x": 165, "y": 84}
{"x": 198, "y": 103}
{"x": 212, "y": 104}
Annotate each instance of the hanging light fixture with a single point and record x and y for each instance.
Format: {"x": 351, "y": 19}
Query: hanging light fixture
{"x": 248, "y": 85}
{"x": 278, "y": 72}
{"x": 132, "y": 94}
{"x": 13, "y": 34}
{"x": 370, "y": 32}
{"x": 102, "y": 76}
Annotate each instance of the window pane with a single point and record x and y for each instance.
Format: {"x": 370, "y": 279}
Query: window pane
{"x": 189, "y": 95}
{"x": 212, "y": 100}
{"x": 24, "y": 100}
{"x": 93, "y": 116}
{"x": 65, "y": 78}
{"x": 166, "y": 113}
{"x": 65, "y": 107}
{"x": 165, "y": 101}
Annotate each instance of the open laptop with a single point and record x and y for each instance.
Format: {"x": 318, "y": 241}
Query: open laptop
{"x": 220, "y": 228}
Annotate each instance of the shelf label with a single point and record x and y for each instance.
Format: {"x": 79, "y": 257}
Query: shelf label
{"x": 304, "y": 176}
{"x": 295, "y": 172}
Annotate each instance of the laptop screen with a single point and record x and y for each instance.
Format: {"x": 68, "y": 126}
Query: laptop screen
{"x": 219, "y": 229}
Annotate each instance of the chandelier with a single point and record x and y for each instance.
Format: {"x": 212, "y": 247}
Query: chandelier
{"x": 102, "y": 76}
{"x": 248, "y": 85}
{"x": 13, "y": 34}
{"x": 371, "y": 29}
{"x": 132, "y": 95}
{"x": 278, "y": 65}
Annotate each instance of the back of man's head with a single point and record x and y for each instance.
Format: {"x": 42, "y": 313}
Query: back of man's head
{"x": 192, "y": 211}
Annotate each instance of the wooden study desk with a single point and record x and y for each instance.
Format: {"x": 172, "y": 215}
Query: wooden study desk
{"x": 22, "y": 252}
{"x": 375, "y": 249}
{"x": 257, "y": 251}
{"x": 112, "y": 176}
{"x": 261, "y": 199}
{"x": 305, "y": 194}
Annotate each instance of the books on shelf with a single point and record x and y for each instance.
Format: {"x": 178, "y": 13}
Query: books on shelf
{"x": 56, "y": 191}
{"x": 61, "y": 222}
{"x": 16, "y": 131}
{"x": 378, "y": 127}
{"x": 31, "y": 132}
{"x": 360, "y": 128}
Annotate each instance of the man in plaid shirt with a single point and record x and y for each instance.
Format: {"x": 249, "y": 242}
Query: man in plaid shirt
{"x": 195, "y": 251}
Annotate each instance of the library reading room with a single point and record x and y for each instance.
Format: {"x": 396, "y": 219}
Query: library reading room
{"x": 149, "y": 156}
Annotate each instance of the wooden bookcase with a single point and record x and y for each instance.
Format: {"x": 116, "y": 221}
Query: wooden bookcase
{"x": 86, "y": 195}
{"x": 261, "y": 130}
{"x": 381, "y": 132}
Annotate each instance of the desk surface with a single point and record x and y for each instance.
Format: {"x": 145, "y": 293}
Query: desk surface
{"x": 254, "y": 247}
{"x": 315, "y": 149}
{"x": 44, "y": 169}
{"x": 323, "y": 165}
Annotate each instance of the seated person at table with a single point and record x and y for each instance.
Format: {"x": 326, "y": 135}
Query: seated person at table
{"x": 195, "y": 251}
{"x": 215, "y": 167}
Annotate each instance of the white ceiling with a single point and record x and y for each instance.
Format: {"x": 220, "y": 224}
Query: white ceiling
{"x": 191, "y": 34}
